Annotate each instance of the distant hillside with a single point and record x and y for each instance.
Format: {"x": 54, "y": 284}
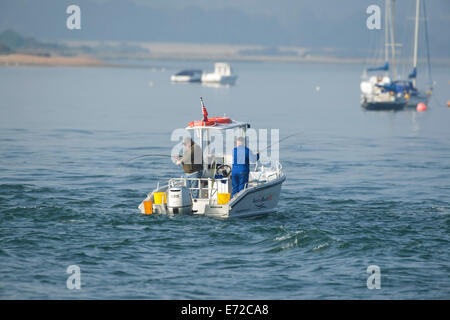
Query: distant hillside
{"x": 299, "y": 23}
{"x": 13, "y": 42}
{"x": 5, "y": 50}
{"x": 16, "y": 41}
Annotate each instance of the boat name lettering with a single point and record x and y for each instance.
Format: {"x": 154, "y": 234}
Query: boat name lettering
{"x": 262, "y": 199}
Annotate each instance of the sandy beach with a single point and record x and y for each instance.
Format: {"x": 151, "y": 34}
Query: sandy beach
{"x": 34, "y": 60}
{"x": 176, "y": 51}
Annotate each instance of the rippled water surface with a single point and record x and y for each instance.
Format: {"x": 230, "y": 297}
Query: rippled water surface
{"x": 362, "y": 188}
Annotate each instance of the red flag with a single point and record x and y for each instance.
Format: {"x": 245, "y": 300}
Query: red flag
{"x": 205, "y": 113}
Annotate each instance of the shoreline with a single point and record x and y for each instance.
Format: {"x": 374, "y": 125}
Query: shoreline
{"x": 19, "y": 59}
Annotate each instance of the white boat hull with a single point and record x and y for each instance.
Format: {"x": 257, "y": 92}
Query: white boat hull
{"x": 257, "y": 199}
{"x": 261, "y": 199}
{"x": 176, "y": 78}
{"x": 216, "y": 78}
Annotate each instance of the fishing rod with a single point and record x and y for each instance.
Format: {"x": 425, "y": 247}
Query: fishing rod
{"x": 278, "y": 142}
{"x": 178, "y": 156}
{"x": 154, "y": 155}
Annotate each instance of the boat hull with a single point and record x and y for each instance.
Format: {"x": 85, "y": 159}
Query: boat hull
{"x": 384, "y": 105}
{"x": 414, "y": 100}
{"x": 176, "y": 78}
{"x": 260, "y": 199}
{"x": 220, "y": 79}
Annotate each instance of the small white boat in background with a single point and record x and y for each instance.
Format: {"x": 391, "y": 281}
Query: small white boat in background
{"x": 222, "y": 74}
{"x": 187, "y": 76}
{"x": 211, "y": 197}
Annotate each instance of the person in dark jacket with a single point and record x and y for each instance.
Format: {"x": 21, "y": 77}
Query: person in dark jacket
{"x": 242, "y": 156}
{"x": 192, "y": 162}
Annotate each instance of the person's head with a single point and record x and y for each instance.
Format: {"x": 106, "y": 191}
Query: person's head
{"x": 240, "y": 141}
{"x": 187, "y": 142}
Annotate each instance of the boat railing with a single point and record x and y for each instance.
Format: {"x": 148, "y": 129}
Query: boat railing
{"x": 205, "y": 187}
{"x": 162, "y": 184}
{"x": 267, "y": 173}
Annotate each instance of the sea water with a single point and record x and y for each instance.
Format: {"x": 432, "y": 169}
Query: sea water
{"x": 362, "y": 189}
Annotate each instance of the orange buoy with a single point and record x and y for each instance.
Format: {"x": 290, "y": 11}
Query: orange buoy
{"x": 448, "y": 103}
{"x": 421, "y": 107}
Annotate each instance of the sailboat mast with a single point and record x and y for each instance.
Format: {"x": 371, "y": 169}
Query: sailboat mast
{"x": 392, "y": 24}
{"x": 416, "y": 39}
{"x": 386, "y": 28}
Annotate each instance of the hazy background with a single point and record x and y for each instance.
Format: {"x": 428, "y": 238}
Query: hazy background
{"x": 321, "y": 24}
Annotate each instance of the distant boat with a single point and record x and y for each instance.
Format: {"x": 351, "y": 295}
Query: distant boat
{"x": 222, "y": 74}
{"x": 376, "y": 95}
{"x": 378, "y": 92}
{"x": 412, "y": 94}
{"x": 187, "y": 76}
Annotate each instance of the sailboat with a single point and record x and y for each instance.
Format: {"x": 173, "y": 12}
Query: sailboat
{"x": 409, "y": 86}
{"x": 379, "y": 92}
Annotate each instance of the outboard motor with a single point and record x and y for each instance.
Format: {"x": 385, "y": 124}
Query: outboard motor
{"x": 179, "y": 201}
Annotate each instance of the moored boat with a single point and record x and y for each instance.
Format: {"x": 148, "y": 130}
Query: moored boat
{"x": 187, "y": 76}
{"x": 412, "y": 93}
{"x": 387, "y": 91}
{"x": 222, "y": 74}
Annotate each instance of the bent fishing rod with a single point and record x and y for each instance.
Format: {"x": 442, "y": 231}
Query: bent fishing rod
{"x": 155, "y": 155}
{"x": 278, "y": 142}
{"x": 178, "y": 156}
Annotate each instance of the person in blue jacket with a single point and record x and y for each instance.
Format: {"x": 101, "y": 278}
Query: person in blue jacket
{"x": 242, "y": 156}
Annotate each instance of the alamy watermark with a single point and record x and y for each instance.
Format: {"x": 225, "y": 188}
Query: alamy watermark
{"x": 74, "y": 20}
{"x": 374, "y": 20}
{"x": 74, "y": 280}
{"x": 219, "y": 144}
{"x": 374, "y": 280}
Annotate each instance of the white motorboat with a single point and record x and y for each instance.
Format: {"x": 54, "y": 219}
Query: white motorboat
{"x": 187, "y": 76}
{"x": 211, "y": 194}
{"x": 222, "y": 74}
